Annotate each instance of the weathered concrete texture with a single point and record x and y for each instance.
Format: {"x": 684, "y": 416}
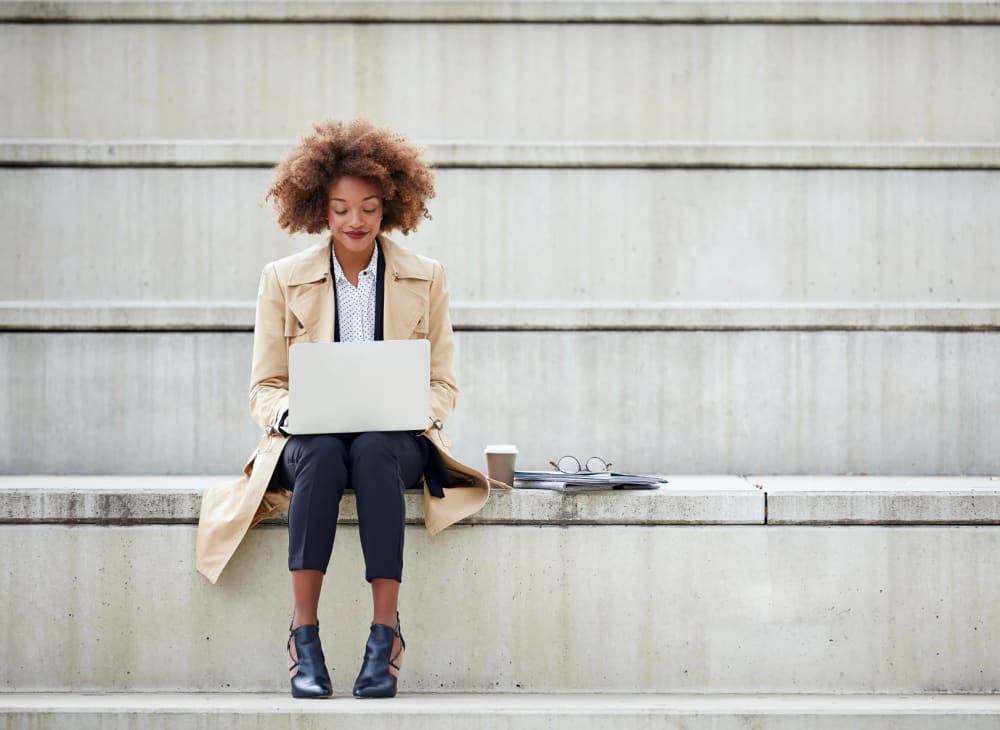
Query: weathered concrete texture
{"x": 556, "y": 154}
{"x": 537, "y": 609}
{"x": 861, "y": 500}
{"x": 657, "y": 402}
{"x": 684, "y": 500}
{"x": 501, "y": 712}
{"x": 169, "y": 403}
{"x": 539, "y": 81}
{"x": 912, "y": 11}
{"x": 508, "y": 236}
{"x": 143, "y": 500}
{"x": 110, "y": 315}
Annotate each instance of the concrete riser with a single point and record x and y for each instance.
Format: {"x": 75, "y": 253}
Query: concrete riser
{"x": 468, "y": 81}
{"x": 512, "y": 609}
{"x": 679, "y": 402}
{"x": 531, "y": 235}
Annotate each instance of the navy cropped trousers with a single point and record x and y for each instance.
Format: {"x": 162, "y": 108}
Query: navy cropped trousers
{"x": 379, "y": 466}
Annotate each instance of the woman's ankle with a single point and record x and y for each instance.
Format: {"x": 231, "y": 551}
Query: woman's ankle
{"x": 303, "y": 618}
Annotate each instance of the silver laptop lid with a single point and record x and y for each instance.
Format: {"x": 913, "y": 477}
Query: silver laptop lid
{"x": 349, "y": 387}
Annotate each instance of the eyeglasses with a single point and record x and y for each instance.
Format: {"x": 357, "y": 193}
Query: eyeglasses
{"x": 571, "y": 465}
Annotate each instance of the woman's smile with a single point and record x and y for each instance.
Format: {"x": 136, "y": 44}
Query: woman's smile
{"x": 354, "y": 215}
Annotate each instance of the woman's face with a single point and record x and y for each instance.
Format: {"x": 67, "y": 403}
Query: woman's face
{"x": 354, "y": 213}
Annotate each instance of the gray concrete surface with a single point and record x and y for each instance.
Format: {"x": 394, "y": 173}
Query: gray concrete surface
{"x": 650, "y": 11}
{"x": 901, "y": 403}
{"x": 502, "y": 712}
{"x": 505, "y": 608}
{"x": 686, "y": 499}
{"x": 708, "y": 82}
{"x": 535, "y": 155}
{"x": 883, "y": 500}
{"x": 192, "y": 316}
{"x": 508, "y": 236}
{"x": 167, "y": 500}
{"x": 697, "y": 608}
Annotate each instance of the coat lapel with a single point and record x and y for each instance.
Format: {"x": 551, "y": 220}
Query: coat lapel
{"x": 311, "y": 300}
{"x": 406, "y": 292}
{"x": 310, "y": 297}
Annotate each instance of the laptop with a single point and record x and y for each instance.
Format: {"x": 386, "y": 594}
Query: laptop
{"x": 348, "y": 387}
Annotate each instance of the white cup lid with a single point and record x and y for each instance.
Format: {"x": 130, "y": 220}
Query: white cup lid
{"x": 501, "y": 449}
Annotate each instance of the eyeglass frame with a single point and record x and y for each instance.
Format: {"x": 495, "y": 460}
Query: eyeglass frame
{"x": 580, "y": 467}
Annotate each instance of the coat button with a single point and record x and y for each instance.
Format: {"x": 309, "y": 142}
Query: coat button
{"x": 300, "y": 325}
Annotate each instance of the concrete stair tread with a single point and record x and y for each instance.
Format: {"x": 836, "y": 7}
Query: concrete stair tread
{"x": 687, "y": 153}
{"x": 238, "y": 316}
{"x": 525, "y": 712}
{"x": 880, "y": 499}
{"x": 686, "y": 499}
{"x": 505, "y": 703}
{"x": 698, "y": 499}
{"x": 491, "y": 11}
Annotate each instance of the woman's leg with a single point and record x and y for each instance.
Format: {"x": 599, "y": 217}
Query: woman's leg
{"x": 315, "y": 469}
{"x": 385, "y": 601}
{"x": 306, "y": 585}
{"x": 382, "y": 466}
{"x": 385, "y": 598}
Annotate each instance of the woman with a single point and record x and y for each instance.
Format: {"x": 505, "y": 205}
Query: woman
{"x": 356, "y": 181}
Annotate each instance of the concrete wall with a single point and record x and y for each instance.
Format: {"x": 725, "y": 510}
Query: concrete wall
{"x": 689, "y": 237}
{"x": 516, "y": 235}
{"x": 690, "y": 402}
{"x": 651, "y": 244}
{"x": 521, "y": 609}
{"x": 529, "y": 81}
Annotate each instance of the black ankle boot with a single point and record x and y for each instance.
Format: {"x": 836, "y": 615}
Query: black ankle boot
{"x": 375, "y": 679}
{"x": 312, "y": 680}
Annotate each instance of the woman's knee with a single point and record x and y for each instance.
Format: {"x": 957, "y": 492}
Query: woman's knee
{"x": 373, "y": 446}
{"x": 320, "y": 447}
{"x": 321, "y": 454}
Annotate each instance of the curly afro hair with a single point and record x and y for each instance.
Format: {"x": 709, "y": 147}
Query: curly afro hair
{"x": 360, "y": 149}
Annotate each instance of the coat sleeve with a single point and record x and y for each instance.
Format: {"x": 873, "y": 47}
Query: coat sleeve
{"x": 444, "y": 389}
{"x": 269, "y": 372}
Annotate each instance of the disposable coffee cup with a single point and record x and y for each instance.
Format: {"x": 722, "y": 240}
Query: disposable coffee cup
{"x": 500, "y": 460}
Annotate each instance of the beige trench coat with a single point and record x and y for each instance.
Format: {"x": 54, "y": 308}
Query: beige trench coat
{"x": 295, "y": 303}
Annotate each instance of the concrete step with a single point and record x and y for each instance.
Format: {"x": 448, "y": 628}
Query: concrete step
{"x": 544, "y": 81}
{"x": 104, "y": 315}
{"x": 489, "y": 712}
{"x": 561, "y": 154}
{"x": 494, "y": 11}
{"x": 696, "y": 236}
{"x": 686, "y": 589}
{"x": 689, "y": 499}
{"x": 163, "y": 500}
{"x": 752, "y": 401}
